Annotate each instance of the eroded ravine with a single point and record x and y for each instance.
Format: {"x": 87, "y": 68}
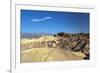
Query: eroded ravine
{"x": 49, "y": 54}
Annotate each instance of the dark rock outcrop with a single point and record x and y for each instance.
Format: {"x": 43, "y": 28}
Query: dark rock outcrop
{"x": 75, "y": 42}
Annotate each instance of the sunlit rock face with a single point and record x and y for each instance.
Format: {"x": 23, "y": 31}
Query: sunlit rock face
{"x": 75, "y": 46}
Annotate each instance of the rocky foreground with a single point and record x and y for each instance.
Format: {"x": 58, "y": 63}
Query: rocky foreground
{"x": 59, "y": 47}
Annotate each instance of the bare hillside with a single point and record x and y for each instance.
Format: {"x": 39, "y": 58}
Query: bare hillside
{"x": 60, "y": 47}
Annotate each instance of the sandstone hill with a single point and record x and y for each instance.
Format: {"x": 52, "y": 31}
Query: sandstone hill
{"x": 59, "y": 47}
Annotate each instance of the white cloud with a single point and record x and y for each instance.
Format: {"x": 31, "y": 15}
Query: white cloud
{"x": 42, "y": 19}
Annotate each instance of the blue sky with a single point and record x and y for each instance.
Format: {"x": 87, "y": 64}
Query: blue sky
{"x": 34, "y": 21}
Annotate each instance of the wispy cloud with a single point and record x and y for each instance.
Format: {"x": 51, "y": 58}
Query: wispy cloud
{"x": 42, "y": 19}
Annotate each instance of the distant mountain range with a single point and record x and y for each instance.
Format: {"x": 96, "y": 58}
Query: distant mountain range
{"x": 33, "y": 35}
